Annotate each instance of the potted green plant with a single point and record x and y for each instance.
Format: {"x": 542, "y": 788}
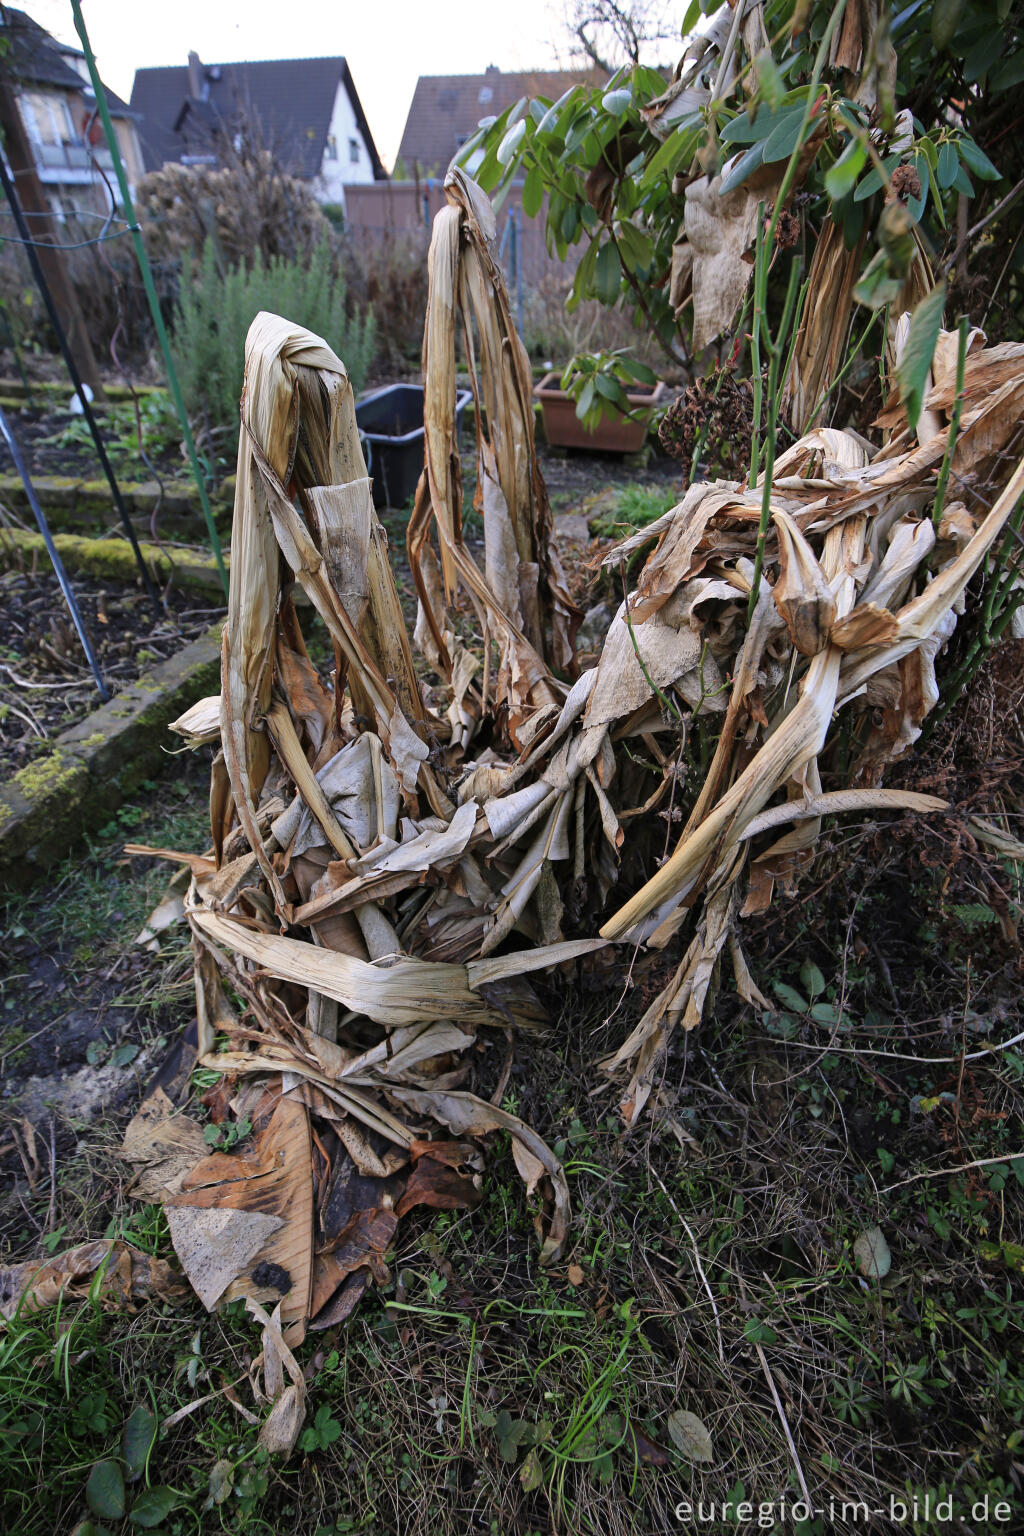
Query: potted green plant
{"x": 602, "y": 400}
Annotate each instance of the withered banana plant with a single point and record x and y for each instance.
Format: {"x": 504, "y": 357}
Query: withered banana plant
{"x": 395, "y": 850}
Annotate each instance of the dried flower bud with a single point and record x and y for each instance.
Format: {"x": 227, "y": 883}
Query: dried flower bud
{"x": 906, "y": 183}
{"x": 787, "y": 231}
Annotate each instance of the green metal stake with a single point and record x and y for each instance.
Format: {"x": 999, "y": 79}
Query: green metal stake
{"x": 147, "y": 278}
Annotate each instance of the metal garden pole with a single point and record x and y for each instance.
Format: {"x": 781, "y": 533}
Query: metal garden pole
{"x": 11, "y": 194}
{"x": 147, "y": 279}
{"x": 58, "y": 564}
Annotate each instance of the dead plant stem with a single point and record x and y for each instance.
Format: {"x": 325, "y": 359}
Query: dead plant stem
{"x": 949, "y": 1173}
{"x": 697, "y": 1261}
{"x": 954, "y": 424}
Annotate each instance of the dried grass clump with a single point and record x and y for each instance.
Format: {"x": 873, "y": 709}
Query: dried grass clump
{"x": 389, "y": 860}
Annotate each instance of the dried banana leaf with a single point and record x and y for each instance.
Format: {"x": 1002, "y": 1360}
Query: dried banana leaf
{"x": 391, "y": 860}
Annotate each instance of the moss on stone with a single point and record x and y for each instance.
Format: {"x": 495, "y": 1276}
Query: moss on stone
{"x": 48, "y": 775}
{"x": 111, "y": 559}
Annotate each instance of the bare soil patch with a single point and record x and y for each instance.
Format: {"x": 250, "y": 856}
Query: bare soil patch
{"x": 45, "y": 682}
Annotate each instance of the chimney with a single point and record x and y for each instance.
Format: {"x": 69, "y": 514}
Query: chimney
{"x": 196, "y": 82}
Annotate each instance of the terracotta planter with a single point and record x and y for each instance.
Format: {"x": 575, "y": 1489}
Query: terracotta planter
{"x": 613, "y": 434}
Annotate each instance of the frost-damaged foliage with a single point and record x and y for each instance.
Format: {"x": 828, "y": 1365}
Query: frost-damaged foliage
{"x": 390, "y": 860}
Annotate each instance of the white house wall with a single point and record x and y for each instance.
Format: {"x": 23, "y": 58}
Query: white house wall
{"x": 343, "y": 170}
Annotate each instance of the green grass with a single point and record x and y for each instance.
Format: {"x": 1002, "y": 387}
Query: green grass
{"x": 70, "y": 946}
{"x": 474, "y": 1385}
{"x": 634, "y": 507}
{"x": 716, "y": 1244}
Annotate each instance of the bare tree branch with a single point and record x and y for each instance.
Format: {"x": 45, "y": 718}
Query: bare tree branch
{"x": 612, "y": 33}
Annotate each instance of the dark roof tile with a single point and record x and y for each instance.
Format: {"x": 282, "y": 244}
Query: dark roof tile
{"x": 35, "y": 58}
{"x": 291, "y": 99}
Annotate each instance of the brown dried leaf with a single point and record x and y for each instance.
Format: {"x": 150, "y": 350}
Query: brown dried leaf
{"x": 802, "y": 595}
{"x": 128, "y": 1276}
{"x": 868, "y": 624}
{"x": 361, "y": 1244}
{"x": 164, "y": 1144}
{"x": 467, "y": 1115}
{"x": 270, "y": 1181}
{"x": 437, "y": 1185}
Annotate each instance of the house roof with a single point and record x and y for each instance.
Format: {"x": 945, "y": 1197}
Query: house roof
{"x": 291, "y": 99}
{"x": 35, "y": 58}
{"x": 446, "y": 109}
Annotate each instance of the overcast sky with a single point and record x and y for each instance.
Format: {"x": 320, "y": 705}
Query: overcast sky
{"x": 388, "y": 43}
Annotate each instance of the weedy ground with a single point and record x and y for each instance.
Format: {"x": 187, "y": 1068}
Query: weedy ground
{"x": 716, "y": 1262}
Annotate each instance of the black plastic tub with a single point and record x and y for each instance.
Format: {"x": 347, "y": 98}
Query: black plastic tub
{"x": 391, "y": 426}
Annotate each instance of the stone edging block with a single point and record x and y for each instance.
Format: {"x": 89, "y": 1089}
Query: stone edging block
{"x": 95, "y": 765}
{"x": 112, "y": 559}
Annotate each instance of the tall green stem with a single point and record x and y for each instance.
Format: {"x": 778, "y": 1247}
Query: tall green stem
{"x": 775, "y": 350}
{"x": 755, "y": 346}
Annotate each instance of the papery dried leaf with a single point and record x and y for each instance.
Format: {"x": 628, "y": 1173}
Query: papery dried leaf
{"x": 269, "y": 1183}
{"x": 199, "y": 724}
{"x": 216, "y": 1245}
{"x": 118, "y": 1274}
{"x": 720, "y": 229}
{"x": 164, "y": 1144}
{"x": 281, "y": 1428}
{"x": 802, "y": 595}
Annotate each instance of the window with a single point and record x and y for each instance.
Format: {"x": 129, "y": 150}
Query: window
{"x": 331, "y": 148}
{"x": 46, "y": 118}
{"x": 353, "y": 151}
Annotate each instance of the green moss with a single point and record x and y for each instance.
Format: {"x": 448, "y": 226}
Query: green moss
{"x": 114, "y": 557}
{"x": 48, "y": 775}
{"x": 15, "y": 1037}
{"x": 111, "y": 559}
{"x": 5, "y": 812}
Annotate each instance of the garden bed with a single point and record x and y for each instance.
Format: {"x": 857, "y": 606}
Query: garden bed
{"x": 55, "y": 440}
{"x": 45, "y": 683}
